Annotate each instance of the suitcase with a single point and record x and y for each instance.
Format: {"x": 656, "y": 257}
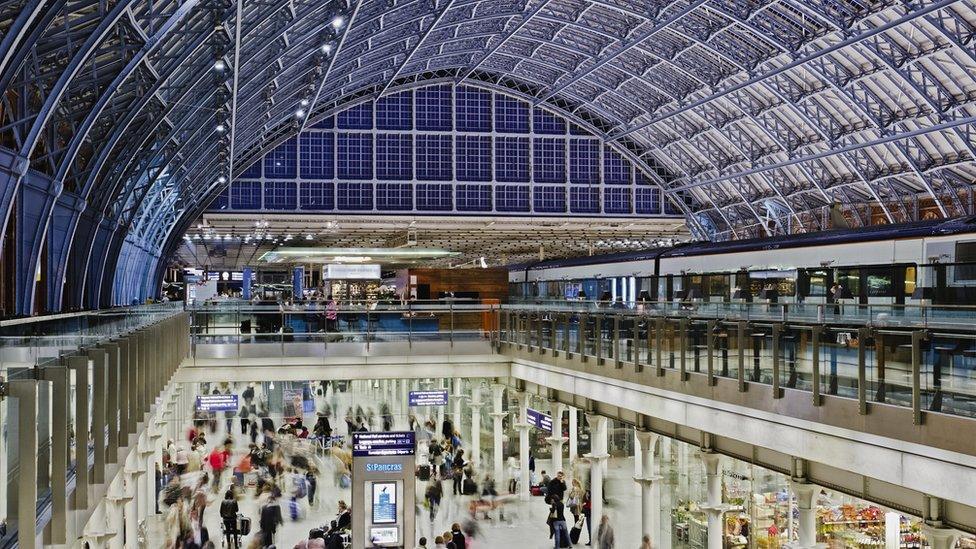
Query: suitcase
{"x": 469, "y": 487}
{"x": 574, "y": 534}
{"x": 535, "y": 490}
{"x": 243, "y": 525}
{"x": 565, "y": 541}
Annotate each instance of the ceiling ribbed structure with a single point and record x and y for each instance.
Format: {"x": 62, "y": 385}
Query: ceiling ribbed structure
{"x": 122, "y": 120}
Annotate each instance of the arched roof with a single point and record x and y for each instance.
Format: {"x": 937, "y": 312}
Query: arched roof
{"x": 762, "y": 113}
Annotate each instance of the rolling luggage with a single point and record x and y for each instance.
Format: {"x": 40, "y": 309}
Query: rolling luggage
{"x": 469, "y": 487}
{"x": 574, "y": 533}
{"x": 565, "y": 539}
{"x": 243, "y": 525}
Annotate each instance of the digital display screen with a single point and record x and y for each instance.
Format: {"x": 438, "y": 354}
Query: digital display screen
{"x": 394, "y": 443}
{"x": 217, "y": 403}
{"x": 384, "y": 503}
{"x": 428, "y": 398}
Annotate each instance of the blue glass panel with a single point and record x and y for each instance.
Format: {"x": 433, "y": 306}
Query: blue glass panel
{"x": 355, "y": 156}
{"x": 394, "y": 196}
{"x": 359, "y": 117}
{"x": 670, "y": 208}
{"x": 512, "y": 159}
{"x": 222, "y": 202}
{"x": 474, "y": 158}
{"x": 545, "y": 122}
{"x": 584, "y": 161}
{"x": 473, "y": 109}
{"x": 642, "y": 178}
{"x": 434, "y": 157}
{"x": 282, "y": 162}
{"x": 317, "y": 196}
{"x": 280, "y": 195}
{"x": 395, "y": 112}
{"x": 511, "y": 115}
{"x": 616, "y": 168}
{"x": 584, "y": 199}
{"x": 473, "y": 198}
{"x": 325, "y": 124}
{"x": 434, "y": 109}
{"x": 647, "y": 200}
{"x": 253, "y": 171}
{"x": 434, "y": 197}
{"x": 512, "y": 198}
{"x": 616, "y": 200}
{"x": 317, "y": 155}
{"x": 394, "y": 157}
{"x": 549, "y": 199}
{"x": 245, "y": 195}
{"x": 549, "y": 162}
{"x": 355, "y": 196}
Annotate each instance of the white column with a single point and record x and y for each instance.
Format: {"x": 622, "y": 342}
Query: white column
{"x": 476, "y": 425}
{"x": 132, "y": 507}
{"x": 714, "y": 506}
{"x": 597, "y": 457}
{"x": 664, "y": 518}
{"x": 523, "y": 429}
{"x": 892, "y": 522}
{"x": 440, "y": 411}
{"x": 115, "y": 501}
{"x": 806, "y": 503}
{"x": 458, "y": 396}
{"x": 649, "y": 486}
{"x": 940, "y": 538}
{"x": 556, "y": 440}
{"x": 497, "y": 416}
{"x": 573, "y": 432}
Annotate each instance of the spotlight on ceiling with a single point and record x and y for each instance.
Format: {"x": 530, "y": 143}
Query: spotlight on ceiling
{"x": 338, "y": 21}
{"x": 300, "y": 113}
{"x": 221, "y": 180}
{"x": 219, "y": 65}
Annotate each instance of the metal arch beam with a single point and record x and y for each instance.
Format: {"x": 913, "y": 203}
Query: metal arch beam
{"x": 237, "y": 72}
{"x": 466, "y": 72}
{"x": 798, "y": 62}
{"x": 448, "y": 4}
{"x": 24, "y": 46}
{"x": 659, "y": 25}
{"x": 15, "y": 34}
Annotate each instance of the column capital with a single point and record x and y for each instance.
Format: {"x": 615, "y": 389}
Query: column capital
{"x": 647, "y": 439}
{"x": 940, "y": 538}
{"x": 596, "y": 458}
{"x": 500, "y": 415}
{"x": 713, "y": 462}
{"x": 648, "y": 480}
{"x": 523, "y": 426}
{"x": 557, "y": 441}
{"x": 478, "y": 404}
{"x": 806, "y": 494}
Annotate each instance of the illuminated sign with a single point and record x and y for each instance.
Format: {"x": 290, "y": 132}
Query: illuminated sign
{"x": 396, "y": 443}
{"x": 217, "y": 403}
{"x": 428, "y": 398}
{"x": 384, "y": 467}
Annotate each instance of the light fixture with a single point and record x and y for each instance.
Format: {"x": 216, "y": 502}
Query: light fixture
{"x": 337, "y": 22}
{"x": 221, "y": 180}
{"x": 271, "y": 386}
{"x": 219, "y": 65}
{"x": 484, "y": 264}
{"x": 308, "y": 237}
{"x": 221, "y": 128}
{"x": 303, "y": 102}
{"x": 300, "y": 113}
{"x": 327, "y": 48}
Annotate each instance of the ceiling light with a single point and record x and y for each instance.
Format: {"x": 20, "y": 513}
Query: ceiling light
{"x": 337, "y": 22}
{"x": 221, "y": 180}
{"x": 308, "y": 237}
{"x": 196, "y": 237}
{"x": 300, "y": 113}
{"x": 219, "y": 65}
{"x": 303, "y": 102}
{"x": 353, "y": 258}
{"x": 221, "y": 128}
{"x": 326, "y": 48}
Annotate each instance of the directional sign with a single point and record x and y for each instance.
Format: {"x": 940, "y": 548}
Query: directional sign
{"x": 428, "y": 398}
{"x": 538, "y": 419}
{"x": 395, "y": 443}
{"x": 217, "y": 403}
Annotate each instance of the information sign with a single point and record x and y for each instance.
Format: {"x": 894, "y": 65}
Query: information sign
{"x": 538, "y": 419}
{"x": 217, "y": 403}
{"x": 395, "y": 443}
{"x": 436, "y": 397}
{"x": 384, "y": 503}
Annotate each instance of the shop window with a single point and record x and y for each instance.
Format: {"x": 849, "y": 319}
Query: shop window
{"x": 964, "y": 272}
{"x": 878, "y": 284}
{"x": 851, "y": 280}
{"x": 910, "y": 274}
{"x": 818, "y": 284}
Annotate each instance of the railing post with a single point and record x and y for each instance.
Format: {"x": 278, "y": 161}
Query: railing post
{"x": 112, "y": 406}
{"x": 777, "y": 390}
{"x": 741, "y": 334}
{"x": 917, "y": 337}
{"x": 879, "y": 354}
{"x": 57, "y": 529}
{"x": 552, "y": 334}
{"x": 862, "y": 382}
{"x": 658, "y": 346}
{"x": 25, "y": 391}
{"x": 710, "y": 349}
{"x": 567, "y": 322}
{"x": 638, "y": 366}
{"x": 815, "y": 364}
{"x": 615, "y": 350}
{"x": 598, "y": 342}
{"x": 683, "y": 344}
{"x": 79, "y": 363}
{"x": 538, "y": 335}
{"x": 582, "y": 331}
{"x": 99, "y": 391}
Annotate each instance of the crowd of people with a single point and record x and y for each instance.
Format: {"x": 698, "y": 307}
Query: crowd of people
{"x": 280, "y": 467}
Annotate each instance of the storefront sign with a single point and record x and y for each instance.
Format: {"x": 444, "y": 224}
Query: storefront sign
{"x": 352, "y": 272}
{"x": 396, "y": 443}
{"x": 217, "y": 403}
{"x": 428, "y": 398}
{"x": 538, "y": 419}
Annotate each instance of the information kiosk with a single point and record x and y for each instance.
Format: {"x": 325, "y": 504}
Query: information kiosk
{"x": 383, "y": 486}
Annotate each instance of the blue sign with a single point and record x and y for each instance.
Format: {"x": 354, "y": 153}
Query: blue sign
{"x": 538, "y": 419}
{"x": 395, "y": 443}
{"x": 384, "y": 467}
{"x": 384, "y": 503}
{"x": 428, "y": 398}
{"x": 217, "y": 403}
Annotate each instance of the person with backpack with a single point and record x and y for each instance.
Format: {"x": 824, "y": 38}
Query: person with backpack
{"x": 228, "y": 514}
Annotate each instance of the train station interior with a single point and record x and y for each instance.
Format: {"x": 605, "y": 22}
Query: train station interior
{"x": 456, "y": 274}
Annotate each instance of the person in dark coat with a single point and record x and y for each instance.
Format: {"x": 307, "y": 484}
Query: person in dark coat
{"x": 271, "y": 519}
{"x": 557, "y": 486}
{"x": 456, "y": 536}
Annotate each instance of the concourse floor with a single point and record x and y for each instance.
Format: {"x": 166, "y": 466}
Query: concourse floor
{"x": 524, "y": 523}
